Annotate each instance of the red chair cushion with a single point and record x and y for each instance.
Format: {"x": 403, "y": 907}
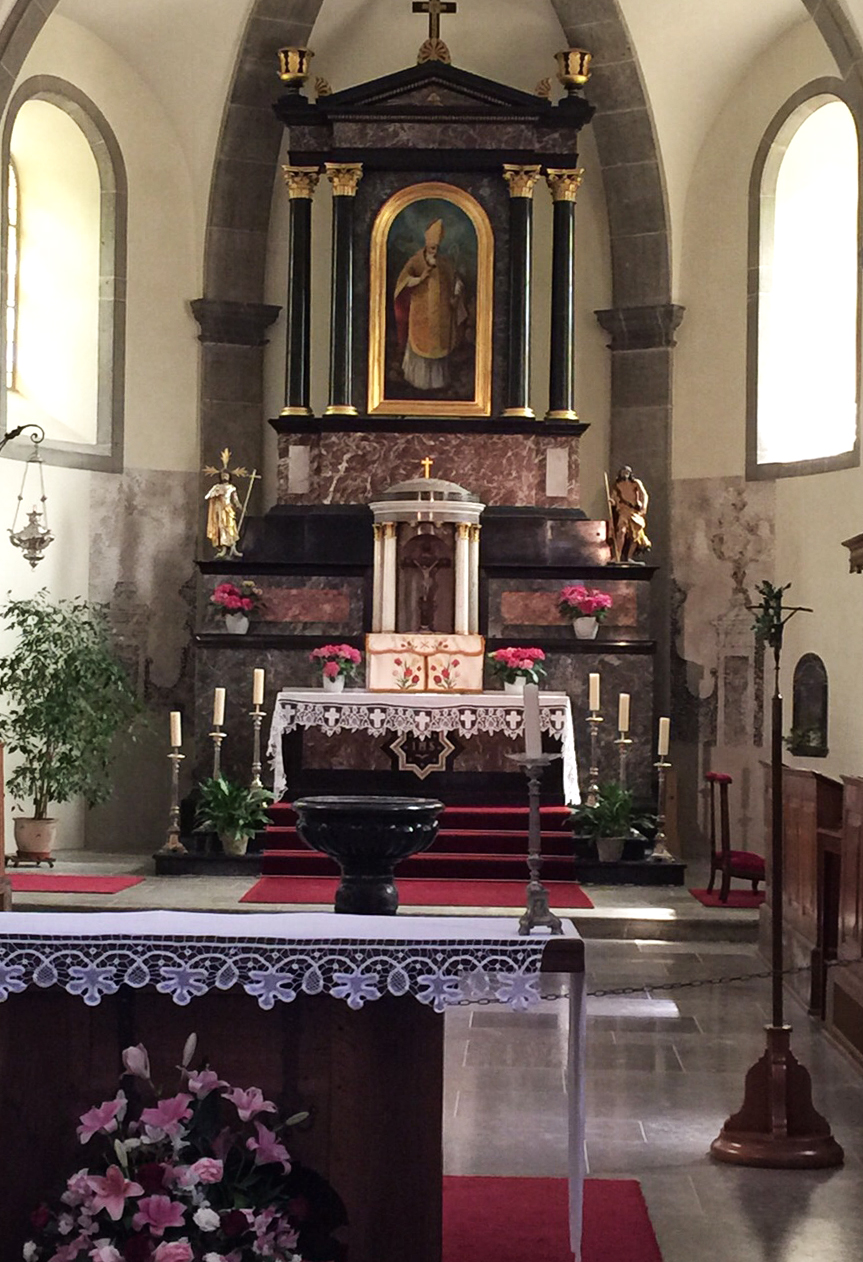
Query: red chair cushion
{"x": 744, "y": 861}
{"x": 718, "y": 777}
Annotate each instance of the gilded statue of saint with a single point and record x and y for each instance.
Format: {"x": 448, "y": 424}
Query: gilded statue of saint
{"x": 223, "y": 512}
{"x": 430, "y": 313}
{"x": 628, "y": 500}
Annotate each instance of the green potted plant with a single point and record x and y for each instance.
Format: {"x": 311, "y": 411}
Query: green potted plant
{"x": 64, "y": 696}
{"x": 233, "y": 811}
{"x": 610, "y": 822}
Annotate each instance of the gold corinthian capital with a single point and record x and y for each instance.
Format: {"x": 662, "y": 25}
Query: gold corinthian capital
{"x": 301, "y": 181}
{"x": 564, "y": 184}
{"x": 520, "y": 179}
{"x": 344, "y": 177}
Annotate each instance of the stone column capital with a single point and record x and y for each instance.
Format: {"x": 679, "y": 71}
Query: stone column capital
{"x": 641, "y": 328}
{"x": 564, "y": 183}
{"x": 344, "y": 177}
{"x": 521, "y": 179}
{"x": 233, "y": 323}
{"x": 301, "y": 181}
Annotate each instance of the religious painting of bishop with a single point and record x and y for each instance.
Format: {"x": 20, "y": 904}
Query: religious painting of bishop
{"x": 431, "y": 304}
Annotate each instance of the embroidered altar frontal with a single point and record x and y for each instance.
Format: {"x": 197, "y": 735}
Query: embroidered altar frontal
{"x": 424, "y": 663}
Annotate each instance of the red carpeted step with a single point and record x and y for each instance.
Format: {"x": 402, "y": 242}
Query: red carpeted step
{"x": 452, "y": 841}
{"x": 415, "y": 893}
{"x": 480, "y": 867}
{"x": 498, "y": 818}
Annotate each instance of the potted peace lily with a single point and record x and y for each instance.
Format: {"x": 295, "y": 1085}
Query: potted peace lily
{"x": 517, "y": 667}
{"x": 586, "y": 607}
{"x": 610, "y": 823}
{"x": 65, "y": 697}
{"x": 233, "y": 811}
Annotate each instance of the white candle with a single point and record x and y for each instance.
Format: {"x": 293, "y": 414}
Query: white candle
{"x": 258, "y": 687}
{"x": 532, "y": 735}
{"x": 664, "y": 733}
{"x": 218, "y": 707}
{"x": 176, "y": 729}
{"x": 623, "y": 712}
{"x": 594, "y": 693}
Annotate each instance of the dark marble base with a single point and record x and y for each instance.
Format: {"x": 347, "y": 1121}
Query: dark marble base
{"x": 628, "y": 872}
{"x": 194, "y": 864}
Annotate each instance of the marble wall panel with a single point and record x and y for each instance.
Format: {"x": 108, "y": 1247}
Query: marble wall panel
{"x": 293, "y": 605}
{"x": 513, "y": 604}
{"x": 351, "y": 468}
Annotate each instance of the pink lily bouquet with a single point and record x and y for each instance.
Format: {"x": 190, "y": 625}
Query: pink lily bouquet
{"x": 199, "y": 1176}
{"x": 583, "y": 602}
{"x": 247, "y": 598}
{"x": 513, "y": 663}
{"x": 336, "y": 660}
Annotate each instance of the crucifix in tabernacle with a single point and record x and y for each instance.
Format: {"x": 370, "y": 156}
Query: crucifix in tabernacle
{"x": 434, "y": 8}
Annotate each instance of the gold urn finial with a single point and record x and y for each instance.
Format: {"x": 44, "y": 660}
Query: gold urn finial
{"x": 573, "y": 68}
{"x": 294, "y": 66}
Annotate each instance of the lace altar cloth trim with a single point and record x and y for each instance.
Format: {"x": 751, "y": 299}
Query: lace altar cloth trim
{"x": 437, "y": 973}
{"x": 376, "y": 713}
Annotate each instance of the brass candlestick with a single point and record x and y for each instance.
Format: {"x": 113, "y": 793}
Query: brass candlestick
{"x": 537, "y": 911}
{"x": 660, "y": 850}
{"x": 594, "y": 719}
{"x": 217, "y": 736}
{"x": 257, "y": 717}
{"x": 173, "y": 845}
{"x": 623, "y": 743}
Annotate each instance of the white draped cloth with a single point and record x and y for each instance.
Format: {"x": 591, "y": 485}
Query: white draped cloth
{"x": 376, "y": 713}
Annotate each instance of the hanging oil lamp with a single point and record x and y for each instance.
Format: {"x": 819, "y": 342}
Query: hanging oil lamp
{"x": 34, "y": 537}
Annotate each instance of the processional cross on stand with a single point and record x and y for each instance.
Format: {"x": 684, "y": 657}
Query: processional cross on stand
{"x": 434, "y": 8}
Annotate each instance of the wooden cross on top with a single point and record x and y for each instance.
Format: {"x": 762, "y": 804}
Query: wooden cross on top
{"x": 434, "y": 8}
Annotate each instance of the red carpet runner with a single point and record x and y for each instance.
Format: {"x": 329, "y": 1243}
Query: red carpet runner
{"x": 417, "y": 893}
{"x": 526, "y": 1220}
{"x": 736, "y": 898}
{"x": 43, "y": 883}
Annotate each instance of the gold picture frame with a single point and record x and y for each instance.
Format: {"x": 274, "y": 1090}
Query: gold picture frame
{"x": 430, "y": 304}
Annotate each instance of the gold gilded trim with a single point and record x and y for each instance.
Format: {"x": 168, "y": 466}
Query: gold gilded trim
{"x": 527, "y": 413}
{"x": 573, "y": 67}
{"x": 520, "y": 179}
{"x": 296, "y": 411}
{"x": 301, "y": 181}
{"x": 344, "y": 177}
{"x": 294, "y": 64}
{"x": 564, "y": 184}
{"x": 340, "y": 409}
{"x": 480, "y": 404}
{"x": 561, "y": 414}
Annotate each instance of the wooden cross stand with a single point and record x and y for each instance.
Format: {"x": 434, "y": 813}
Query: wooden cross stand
{"x": 434, "y": 8}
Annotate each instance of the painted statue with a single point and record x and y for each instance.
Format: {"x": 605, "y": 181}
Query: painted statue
{"x": 628, "y": 502}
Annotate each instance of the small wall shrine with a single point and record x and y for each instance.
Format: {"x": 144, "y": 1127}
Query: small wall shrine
{"x": 433, "y": 173}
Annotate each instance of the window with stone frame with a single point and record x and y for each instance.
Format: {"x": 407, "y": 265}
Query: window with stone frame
{"x": 804, "y": 322}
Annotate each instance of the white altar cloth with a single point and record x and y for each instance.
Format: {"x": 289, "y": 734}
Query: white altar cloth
{"x": 356, "y": 710}
{"x": 273, "y": 956}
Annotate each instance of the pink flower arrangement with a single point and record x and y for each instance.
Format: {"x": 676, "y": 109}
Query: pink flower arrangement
{"x": 512, "y": 663}
{"x": 194, "y": 1176}
{"x": 583, "y": 602}
{"x": 247, "y": 598}
{"x": 337, "y": 659}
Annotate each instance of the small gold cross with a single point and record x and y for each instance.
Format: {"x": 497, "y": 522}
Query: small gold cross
{"x": 427, "y": 464}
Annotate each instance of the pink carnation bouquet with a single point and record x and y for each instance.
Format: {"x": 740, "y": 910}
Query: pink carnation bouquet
{"x": 199, "y": 1176}
{"x": 337, "y": 659}
{"x": 247, "y": 598}
{"x": 583, "y": 602}
{"x": 512, "y": 663}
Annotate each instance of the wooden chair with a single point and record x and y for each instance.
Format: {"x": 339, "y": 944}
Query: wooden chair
{"x": 742, "y": 864}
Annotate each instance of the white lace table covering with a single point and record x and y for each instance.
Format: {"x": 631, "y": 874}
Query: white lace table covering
{"x": 378, "y": 712}
{"x": 274, "y": 957}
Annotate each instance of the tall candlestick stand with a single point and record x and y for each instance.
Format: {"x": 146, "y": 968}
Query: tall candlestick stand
{"x": 537, "y": 911}
{"x": 623, "y": 743}
{"x": 594, "y": 719}
{"x": 217, "y": 736}
{"x": 660, "y": 849}
{"x": 257, "y": 717}
{"x": 173, "y": 845}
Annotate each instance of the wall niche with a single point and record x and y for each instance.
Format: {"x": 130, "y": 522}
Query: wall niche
{"x": 808, "y": 736}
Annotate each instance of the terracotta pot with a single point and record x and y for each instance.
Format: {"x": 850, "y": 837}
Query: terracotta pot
{"x": 333, "y": 685}
{"x": 35, "y": 838}
{"x": 514, "y": 685}
{"x": 585, "y": 628}
{"x": 234, "y": 845}
{"x": 236, "y": 623}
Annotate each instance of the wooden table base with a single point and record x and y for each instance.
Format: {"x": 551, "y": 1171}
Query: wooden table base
{"x": 778, "y": 1125}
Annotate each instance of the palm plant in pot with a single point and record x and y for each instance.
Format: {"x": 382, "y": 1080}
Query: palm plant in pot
{"x": 64, "y": 697}
{"x": 235, "y": 812}
{"x": 610, "y": 823}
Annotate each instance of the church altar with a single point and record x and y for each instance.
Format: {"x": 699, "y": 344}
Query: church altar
{"x": 78, "y": 987}
{"x": 419, "y": 713}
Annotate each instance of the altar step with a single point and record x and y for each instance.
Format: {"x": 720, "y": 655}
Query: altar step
{"x": 496, "y": 818}
{"x": 478, "y": 866}
{"x": 449, "y": 841}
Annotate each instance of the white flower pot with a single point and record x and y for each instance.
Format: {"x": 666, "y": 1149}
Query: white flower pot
{"x": 514, "y": 685}
{"x": 34, "y": 838}
{"x": 333, "y": 685}
{"x": 236, "y": 623}
{"x": 610, "y": 849}
{"x": 585, "y": 628}
{"x": 233, "y": 845}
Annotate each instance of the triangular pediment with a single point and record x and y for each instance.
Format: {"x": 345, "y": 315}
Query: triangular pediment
{"x": 432, "y": 85}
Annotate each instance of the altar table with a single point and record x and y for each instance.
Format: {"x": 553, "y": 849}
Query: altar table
{"x": 376, "y": 713}
{"x": 76, "y": 988}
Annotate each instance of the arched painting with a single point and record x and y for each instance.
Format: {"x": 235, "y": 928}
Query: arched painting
{"x": 430, "y": 320}
{"x": 808, "y": 737}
